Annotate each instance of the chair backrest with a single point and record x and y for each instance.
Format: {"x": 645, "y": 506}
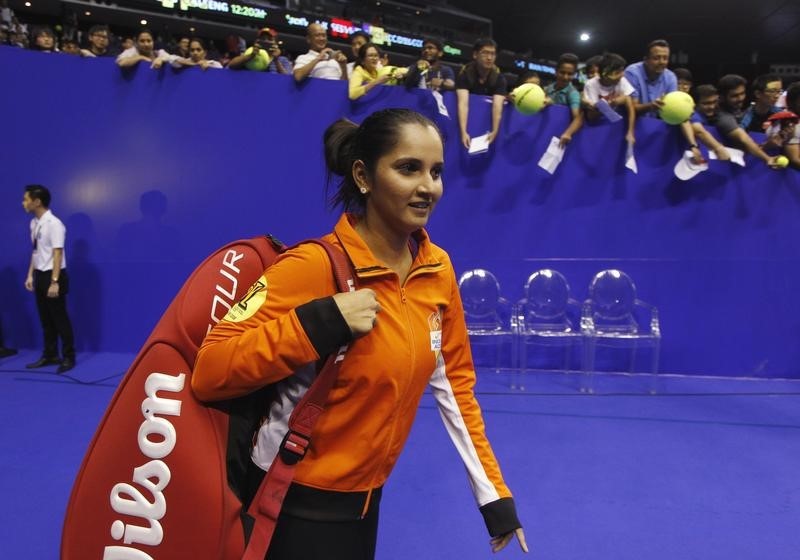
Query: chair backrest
{"x": 547, "y": 305}
{"x": 480, "y": 295}
{"x": 546, "y": 294}
{"x": 613, "y": 295}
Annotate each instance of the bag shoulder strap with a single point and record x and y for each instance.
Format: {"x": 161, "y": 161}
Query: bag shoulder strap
{"x": 266, "y": 506}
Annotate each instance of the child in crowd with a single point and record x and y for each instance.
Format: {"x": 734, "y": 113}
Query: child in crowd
{"x": 684, "y": 79}
{"x": 611, "y": 87}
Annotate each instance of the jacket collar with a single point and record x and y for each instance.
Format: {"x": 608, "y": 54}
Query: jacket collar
{"x": 362, "y": 258}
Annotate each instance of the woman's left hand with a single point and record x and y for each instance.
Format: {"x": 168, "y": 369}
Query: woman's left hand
{"x": 499, "y": 543}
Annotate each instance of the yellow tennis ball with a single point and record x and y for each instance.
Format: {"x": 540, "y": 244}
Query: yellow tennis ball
{"x": 528, "y": 98}
{"x": 259, "y": 62}
{"x": 678, "y": 107}
{"x": 781, "y": 161}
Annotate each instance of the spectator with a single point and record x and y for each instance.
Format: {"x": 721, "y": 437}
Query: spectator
{"x": 144, "y": 50}
{"x": 197, "y": 57}
{"x": 684, "y": 80}
{"x": 766, "y": 91}
{"x": 530, "y": 77}
{"x": 732, "y": 93}
{"x": 651, "y": 79}
{"x": 126, "y": 43}
{"x": 3, "y": 35}
{"x": 429, "y": 72}
{"x": 234, "y": 46}
{"x": 98, "y": 42}
{"x": 182, "y": 46}
{"x": 792, "y": 146}
{"x": 17, "y": 38}
{"x": 708, "y": 112}
{"x": 357, "y": 40}
{"x": 592, "y": 66}
{"x": 612, "y": 87}
{"x": 481, "y": 77}
{"x": 780, "y": 129}
{"x": 562, "y": 92}
{"x": 70, "y": 46}
{"x": 44, "y": 40}
{"x": 263, "y": 56}
{"x": 367, "y": 72}
{"x": 279, "y": 64}
{"x": 320, "y": 61}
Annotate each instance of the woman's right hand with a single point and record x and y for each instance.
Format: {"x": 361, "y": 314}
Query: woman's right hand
{"x": 359, "y": 309}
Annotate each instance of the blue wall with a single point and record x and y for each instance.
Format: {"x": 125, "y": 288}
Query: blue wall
{"x": 223, "y": 155}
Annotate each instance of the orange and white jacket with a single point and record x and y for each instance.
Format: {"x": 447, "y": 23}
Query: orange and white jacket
{"x": 290, "y": 321}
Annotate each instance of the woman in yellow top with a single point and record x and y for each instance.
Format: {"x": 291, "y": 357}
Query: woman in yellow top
{"x": 368, "y": 72}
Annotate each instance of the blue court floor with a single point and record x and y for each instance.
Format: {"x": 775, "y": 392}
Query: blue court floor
{"x": 706, "y": 469}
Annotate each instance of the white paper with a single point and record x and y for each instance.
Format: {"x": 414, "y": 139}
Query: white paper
{"x": 440, "y": 103}
{"x": 479, "y": 144}
{"x": 630, "y": 160}
{"x": 737, "y": 156}
{"x": 552, "y": 157}
{"x": 607, "y": 111}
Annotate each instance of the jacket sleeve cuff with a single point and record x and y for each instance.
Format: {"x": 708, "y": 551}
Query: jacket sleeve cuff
{"x": 324, "y": 325}
{"x": 500, "y": 516}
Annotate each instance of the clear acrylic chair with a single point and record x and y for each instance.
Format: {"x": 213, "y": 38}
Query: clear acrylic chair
{"x": 612, "y": 316}
{"x": 547, "y": 316}
{"x": 488, "y": 315}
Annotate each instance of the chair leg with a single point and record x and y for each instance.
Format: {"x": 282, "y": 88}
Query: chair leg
{"x": 656, "y": 351}
{"x": 588, "y": 365}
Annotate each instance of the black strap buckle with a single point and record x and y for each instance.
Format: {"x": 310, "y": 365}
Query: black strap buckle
{"x": 293, "y": 447}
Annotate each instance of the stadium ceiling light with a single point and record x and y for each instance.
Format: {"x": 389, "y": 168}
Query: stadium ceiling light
{"x": 88, "y": 13}
{"x": 584, "y": 36}
{"x": 27, "y": 4}
{"x": 143, "y": 22}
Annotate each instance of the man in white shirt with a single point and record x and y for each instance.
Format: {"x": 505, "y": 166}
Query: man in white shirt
{"x": 320, "y": 61}
{"x": 47, "y": 278}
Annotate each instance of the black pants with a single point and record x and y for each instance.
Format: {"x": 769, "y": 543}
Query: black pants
{"x": 53, "y": 314}
{"x": 303, "y": 539}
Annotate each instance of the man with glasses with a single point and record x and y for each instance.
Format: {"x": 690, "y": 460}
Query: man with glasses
{"x": 766, "y": 91}
{"x": 481, "y": 77}
{"x": 98, "y": 43}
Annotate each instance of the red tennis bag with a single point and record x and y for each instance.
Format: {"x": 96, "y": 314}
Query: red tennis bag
{"x": 156, "y": 482}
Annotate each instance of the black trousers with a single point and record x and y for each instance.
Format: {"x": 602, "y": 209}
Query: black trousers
{"x": 303, "y": 539}
{"x": 53, "y": 314}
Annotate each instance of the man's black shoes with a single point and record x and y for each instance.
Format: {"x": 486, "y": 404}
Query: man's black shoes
{"x": 6, "y": 352}
{"x": 66, "y": 365}
{"x": 43, "y": 361}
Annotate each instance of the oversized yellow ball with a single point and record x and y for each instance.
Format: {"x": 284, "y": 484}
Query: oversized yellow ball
{"x": 259, "y": 62}
{"x": 781, "y": 161}
{"x": 528, "y": 98}
{"x": 678, "y": 107}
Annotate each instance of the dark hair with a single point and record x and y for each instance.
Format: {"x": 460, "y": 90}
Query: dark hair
{"x": 346, "y": 142}
{"x": 362, "y": 52}
{"x": 657, "y": 43}
{"x": 361, "y": 33}
{"x": 38, "y": 32}
{"x": 728, "y": 82}
{"x": 39, "y": 192}
{"x": 483, "y": 42}
{"x": 568, "y": 58}
{"x": 594, "y": 61}
{"x": 760, "y": 83}
{"x": 683, "y": 74}
{"x": 703, "y": 91}
{"x": 98, "y": 29}
{"x": 792, "y": 94}
{"x": 611, "y": 62}
{"x": 144, "y": 30}
{"x": 435, "y": 42}
{"x": 197, "y": 40}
